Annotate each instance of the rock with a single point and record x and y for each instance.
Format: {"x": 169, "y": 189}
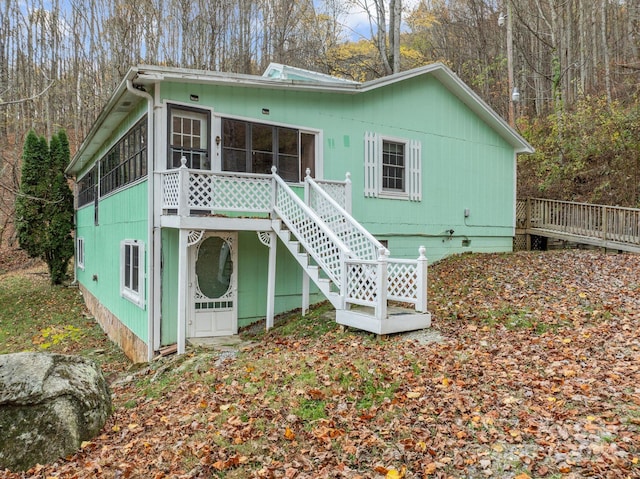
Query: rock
{"x": 49, "y": 404}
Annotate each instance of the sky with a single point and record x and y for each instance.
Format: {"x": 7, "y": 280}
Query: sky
{"x": 356, "y": 21}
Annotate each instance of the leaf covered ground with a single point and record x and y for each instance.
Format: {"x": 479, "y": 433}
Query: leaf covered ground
{"x": 536, "y": 373}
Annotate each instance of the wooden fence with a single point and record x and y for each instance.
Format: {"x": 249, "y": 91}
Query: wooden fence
{"x": 599, "y": 225}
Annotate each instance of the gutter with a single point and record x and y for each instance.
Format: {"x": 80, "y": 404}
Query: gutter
{"x": 150, "y": 213}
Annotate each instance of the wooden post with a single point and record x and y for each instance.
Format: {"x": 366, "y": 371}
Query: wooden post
{"x": 183, "y": 182}
{"x": 307, "y": 193}
{"x": 305, "y": 293}
{"x": 347, "y": 193}
{"x": 183, "y": 289}
{"x": 271, "y": 280}
{"x": 305, "y": 276}
{"x": 527, "y": 224}
{"x": 274, "y": 191}
{"x": 381, "y": 300}
{"x": 421, "y": 278}
{"x": 344, "y": 279}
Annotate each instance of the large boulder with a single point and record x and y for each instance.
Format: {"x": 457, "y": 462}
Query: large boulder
{"x": 49, "y": 404}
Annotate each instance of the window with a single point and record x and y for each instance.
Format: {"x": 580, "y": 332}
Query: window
{"x": 126, "y": 161}
{"x": 189, "y": 133}
{"x": 80, "y": 252}
{"x": 132, "y": 271}
{"x": 256, "y": 147}
{"x": 87, "y": 187}
{"x": 392, "y": 168}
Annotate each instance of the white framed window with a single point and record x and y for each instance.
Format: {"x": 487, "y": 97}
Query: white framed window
{"x": 80, "y": 252}
{"x": 189, "y": 131}
{"x": 393, "y": 167}
{"x": 132, "y": 267}
{"x": 253, "y": 147}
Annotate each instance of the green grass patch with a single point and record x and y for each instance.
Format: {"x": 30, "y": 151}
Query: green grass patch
{"x": 313, "y": 325}
{"x": 311, "y": 409}
{"x": 35, "y": 316}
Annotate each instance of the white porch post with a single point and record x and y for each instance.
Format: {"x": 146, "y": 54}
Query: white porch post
{"x": 183, "y": 182}
{"x": 347, "y": 192}
{"x": 305, "y": 276}
{"x": 271, "y": 280}
{"x": 421, "y": 273}
{"x": 183, "y": 281}
{"x": 381, "y": 306}
{"x": 305, "y": 293}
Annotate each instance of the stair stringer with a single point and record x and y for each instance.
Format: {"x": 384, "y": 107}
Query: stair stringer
{"x": 303, "y": 259}
{"x": 359, "y": 318}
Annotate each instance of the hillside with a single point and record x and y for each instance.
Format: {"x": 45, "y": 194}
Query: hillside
{"x": 531, "y": 369}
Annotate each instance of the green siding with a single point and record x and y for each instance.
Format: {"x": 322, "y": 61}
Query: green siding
{"x": 253, "y": 266}
{"x": 253, "y": 269}
{"x": 122, "y": 215}
{"x": 465, "y": 163}
{"x": 169, "y": 281}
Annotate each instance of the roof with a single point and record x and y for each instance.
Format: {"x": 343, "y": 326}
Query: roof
{"x": 285, "y": 72}
{"x": 277, "y": 76}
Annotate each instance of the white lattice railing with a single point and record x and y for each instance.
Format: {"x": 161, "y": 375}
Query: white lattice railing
{"x": 184, "y": 189}
{"x": 349, "y": 255}
{"x": 372, "y": 283}
{"x": 314, "y": 236}
{"x": 361, "y": 243}
{"x": 339, "y": 191}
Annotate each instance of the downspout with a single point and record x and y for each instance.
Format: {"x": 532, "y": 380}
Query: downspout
{"x": 150, "y": 213}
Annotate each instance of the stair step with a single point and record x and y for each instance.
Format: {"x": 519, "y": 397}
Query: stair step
{"x": 303, "y": 259}
{"x": 294, "y": 246}
{"x": 313, "y": 272}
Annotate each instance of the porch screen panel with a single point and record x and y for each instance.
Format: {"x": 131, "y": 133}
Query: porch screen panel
{"x": 256, "y": 147}
{"x": 234, "y": 145}
{"x": 307, "y": 154}
{"x": 261, "y": 148}
{"x": 288, "y": 163}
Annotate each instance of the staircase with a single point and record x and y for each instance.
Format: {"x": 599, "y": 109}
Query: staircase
{"x": 349, "y": 266}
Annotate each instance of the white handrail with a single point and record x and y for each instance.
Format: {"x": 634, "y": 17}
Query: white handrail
{"x": 373, "y": 246}
{"x": 323, "y": 260}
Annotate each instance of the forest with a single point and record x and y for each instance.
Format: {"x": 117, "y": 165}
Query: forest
{"x": 575, "y": 65}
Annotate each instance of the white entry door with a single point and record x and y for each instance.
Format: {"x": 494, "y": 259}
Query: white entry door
{"x": 213, "y": 285}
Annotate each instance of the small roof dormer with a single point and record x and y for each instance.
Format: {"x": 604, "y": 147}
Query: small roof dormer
{"x": 278, "y": 71}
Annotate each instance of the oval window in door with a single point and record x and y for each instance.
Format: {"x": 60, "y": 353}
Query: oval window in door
{"x": 214, "y": 267}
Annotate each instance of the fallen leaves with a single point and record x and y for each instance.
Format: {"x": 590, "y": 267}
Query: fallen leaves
{"x": 537, "y": 377}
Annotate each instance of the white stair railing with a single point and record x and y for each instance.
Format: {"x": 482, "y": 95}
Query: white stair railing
{"x": 351, "y": 257}
{"x": 317, "y": 239}
{"x": 362, "y": 243}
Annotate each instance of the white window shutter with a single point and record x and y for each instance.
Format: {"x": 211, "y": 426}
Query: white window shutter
{"x": 415, "y": 171}
{"x": 371, "y": 164}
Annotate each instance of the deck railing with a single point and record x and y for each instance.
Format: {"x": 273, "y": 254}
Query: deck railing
{"x": 184, "y": 190}
{"x": 350, "y": 256}
{"x": 610, "y": 224}
{"x": 362, "y": 243}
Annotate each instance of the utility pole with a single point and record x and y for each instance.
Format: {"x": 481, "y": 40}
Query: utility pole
{"x": 512, "y": 114}
{"x": 514, "y": 95}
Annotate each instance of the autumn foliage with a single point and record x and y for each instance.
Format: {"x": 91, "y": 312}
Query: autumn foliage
{"x": 531, "y": 370}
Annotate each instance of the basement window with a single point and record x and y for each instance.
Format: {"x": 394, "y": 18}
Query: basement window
{"x": 132, "y": 269}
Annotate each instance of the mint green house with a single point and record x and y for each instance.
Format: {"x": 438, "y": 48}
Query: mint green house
{"x": 207, "y": 201}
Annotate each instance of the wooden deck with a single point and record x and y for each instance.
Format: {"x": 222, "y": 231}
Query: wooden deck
{"x": 604, "y": 226}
